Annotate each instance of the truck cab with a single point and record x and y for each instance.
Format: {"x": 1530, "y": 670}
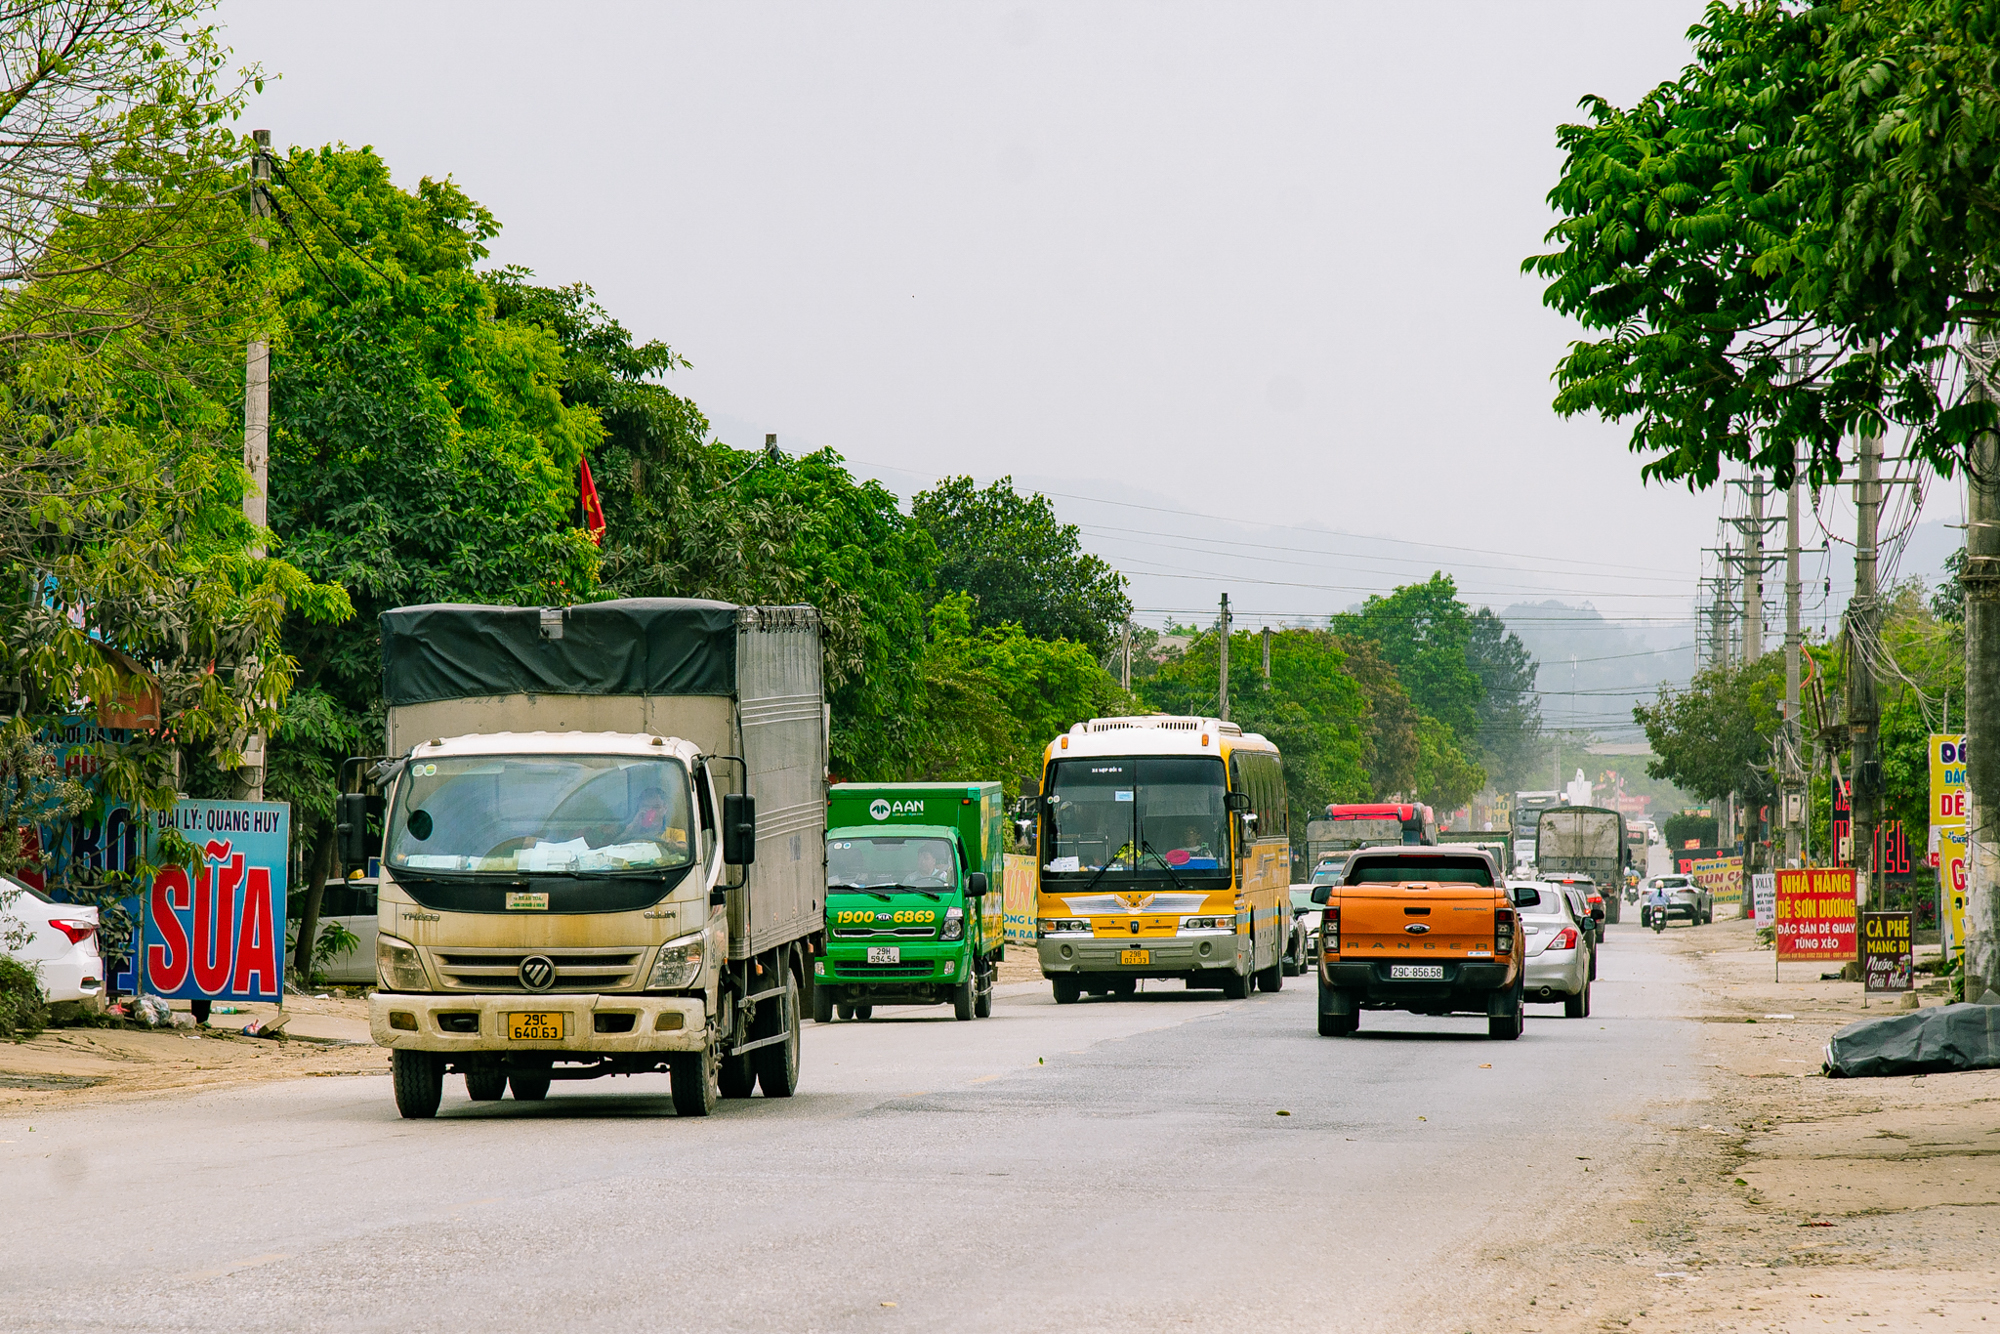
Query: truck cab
{"x": 1425, "y": 930}
{"x": 913, "y": 898}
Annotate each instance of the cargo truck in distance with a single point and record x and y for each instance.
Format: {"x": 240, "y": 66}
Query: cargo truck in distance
{"x": 913, "y": 898}
{"x": 602, "y": 836}
{"x": 1584, "y": 840}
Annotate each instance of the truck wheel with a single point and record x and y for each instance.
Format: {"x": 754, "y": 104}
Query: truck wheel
{"x": 778, "y": 1064}
{"x": 528, "y": 1087}
{"x": 844, "y": 1010}
{"x": 419, "y": 1080}
{"x": 1577, "y": 1006}
{"x": 962, "y": 998}
{"x": 694, "y": 1075}
{"x": 1235, "y": 986}
{"x": 982, "y": 1002}
{"x": 822, "y": 1005}
{"x": 1272, "y": 978}
{"x": 485, "y": 1083}
{"x": 734, "y": 1077}
{"x": 1068, "y": 990}
{"x": 864, "y": 1012}
{"x": 1508, "y": 1026}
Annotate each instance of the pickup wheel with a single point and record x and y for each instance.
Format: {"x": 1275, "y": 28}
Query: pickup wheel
{"x": 694, "y": 1075}
{"x": 419, "y": 1080}
{"x": 1068, "y": 990}
{"x": 1339, "y": 1025}
{"x": 778, "y": 1064}
{"x": 485, "y": 1083}
{"x": 528, "y": 1087}
{"x": 1507, "y": 1027}
{"x": 1577, "y": 1006}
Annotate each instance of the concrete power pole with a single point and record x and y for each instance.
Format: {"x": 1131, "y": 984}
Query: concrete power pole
{"x": 1981, "y": 582}
{"x": 1753, "y": 575}
{"x": 1267, "y": 653}
{"x": 257, "y": 440}
{"x": 1222, "y": 676}
{"x": 1792, "y": 802}
{"x": 1863, "y": 709}
{"x": 1125, "y": 656}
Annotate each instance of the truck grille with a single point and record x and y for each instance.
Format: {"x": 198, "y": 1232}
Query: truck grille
{"x": 866, "y": 932}
{"x": 920, "y": 968}
{"x": 576, "y": 969}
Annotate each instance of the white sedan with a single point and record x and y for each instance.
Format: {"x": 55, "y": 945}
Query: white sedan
{"x": 57, "y": 940}
{"x": 1558, "y": 952}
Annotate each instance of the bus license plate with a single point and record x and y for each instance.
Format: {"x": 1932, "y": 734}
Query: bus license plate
{"x": 535, "y": 1026}
{"x": 1430, "y": 972}
{"x": 885, "y": 954}
{"x": 1135, "y": 956}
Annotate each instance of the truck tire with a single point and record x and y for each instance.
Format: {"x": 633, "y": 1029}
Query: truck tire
{"x": 822, "y": 1005}
{"x": 1068, "y": 990}
{"x": 485, "y": 1083}
{"x": 419, "y": 1080}
{"x": 844, "y": 1010}
{"x": 1577, "y": 1006}
{"x": 962, "y": 998}
{"x": 1508, "y": 1026}
{"x": 1235, "y": 985}
{"x": 982, "y": 1000}
{"x": 778, "y": 1064}
{"x": 864, "y": 1012}
{"x": 529, "y": 1087}
{"x": 1272, "y": 978}
{"x": 734, "y": 1076}
{"x": 694, "y": 1075}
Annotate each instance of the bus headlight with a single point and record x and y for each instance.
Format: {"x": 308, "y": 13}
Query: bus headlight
{"x": 679, "y": 964}
{"x": 1056, "y": 926}
{"x": 398, "y": 965}
{"x": 954, "y": 924}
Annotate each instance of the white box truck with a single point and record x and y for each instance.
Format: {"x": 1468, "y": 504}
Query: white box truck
{"x": 602, "y": 841}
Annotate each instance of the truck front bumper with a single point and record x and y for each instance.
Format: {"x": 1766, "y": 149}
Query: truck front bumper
{"x": 1166, "y": 956}
{"x": 592, "y": 1024}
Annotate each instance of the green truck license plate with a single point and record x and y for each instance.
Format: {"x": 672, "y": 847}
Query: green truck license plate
{"x": 885, "y": 954}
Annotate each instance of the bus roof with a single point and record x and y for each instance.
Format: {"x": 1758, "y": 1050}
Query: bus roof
{"x": 1154, "y": 734}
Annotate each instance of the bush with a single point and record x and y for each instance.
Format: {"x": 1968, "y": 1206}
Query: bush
{"x": 22, "y": 1010}
{"x": 1678, "y": 829}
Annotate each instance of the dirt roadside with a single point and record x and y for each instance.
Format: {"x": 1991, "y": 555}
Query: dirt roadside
{"x": 1778, "y": 1199}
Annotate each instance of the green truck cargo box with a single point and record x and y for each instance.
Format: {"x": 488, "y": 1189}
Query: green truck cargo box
{"x": 905, "y": 921}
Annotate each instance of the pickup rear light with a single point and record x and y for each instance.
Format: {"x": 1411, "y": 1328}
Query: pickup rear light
{"x": 1503, "y": 931}
{"x": 77, "y": 931}
{"x": 1329, "y": 930}
{"x": 1565, "y": 939}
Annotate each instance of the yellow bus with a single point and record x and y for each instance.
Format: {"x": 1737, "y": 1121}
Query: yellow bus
{"x": 1163, "y": 850}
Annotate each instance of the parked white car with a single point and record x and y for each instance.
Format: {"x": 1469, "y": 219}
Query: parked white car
{"x": 1558, "y": 947}
{"x": 351, "y": 903}
{"x": 57, "y": 940}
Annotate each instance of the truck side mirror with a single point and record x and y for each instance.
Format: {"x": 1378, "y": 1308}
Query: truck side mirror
{"x": 1321, "y": 893}
{"x": 975, "y": 885}
{"x": 1236, "y": 801}
{"x": 352, "y": 839}
{"x": 739, "y": 828}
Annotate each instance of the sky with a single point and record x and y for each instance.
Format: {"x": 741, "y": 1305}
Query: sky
{"x": 1238, "y": 285}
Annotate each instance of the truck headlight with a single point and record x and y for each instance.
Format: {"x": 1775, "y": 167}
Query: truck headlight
{"x": 398, "y": 966}
{"x": 678, "y": 966}
{"x": 954, "y": 924}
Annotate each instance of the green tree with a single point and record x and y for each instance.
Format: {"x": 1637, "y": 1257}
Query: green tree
{"x": 1510, "y": 713}
{"x": 1714, "y": 736}
{"x": 1425, "y": 633}
{"x": 1020, "y": 564}
{"x": 1393, "y": 748}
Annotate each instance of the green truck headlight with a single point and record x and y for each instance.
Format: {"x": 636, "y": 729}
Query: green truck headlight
{"x": 954, "y": 924}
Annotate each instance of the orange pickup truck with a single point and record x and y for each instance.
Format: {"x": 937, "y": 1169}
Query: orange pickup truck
{"x": 1427, "y": 930}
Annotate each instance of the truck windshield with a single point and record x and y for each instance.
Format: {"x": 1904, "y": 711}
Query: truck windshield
{"x": 1139, "y": 815}
{"x": 553, "y": 814}
{"x": 868, "y": 863}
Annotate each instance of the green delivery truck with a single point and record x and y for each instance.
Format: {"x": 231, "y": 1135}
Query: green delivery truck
{"x": 914, "y": 912}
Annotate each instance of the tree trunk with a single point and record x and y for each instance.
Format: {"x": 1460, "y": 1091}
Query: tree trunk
{"x": 1981, "y": 582}
{"x": 320, "y": 866}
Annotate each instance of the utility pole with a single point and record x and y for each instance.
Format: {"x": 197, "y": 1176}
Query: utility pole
{"x": 257, "y": 440}
{"x": 1792, "y": 800}
{"x": 1981, "y": 582}
{"x": 1863, "y": 709}
{"x": 1125, "y": 657}
{"x": 1222, "y": 678}
{"x": 1267, "y": 653}
{"x": 1753, "y": 575}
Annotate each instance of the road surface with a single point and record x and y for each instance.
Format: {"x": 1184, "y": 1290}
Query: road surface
{"x": 1107, "y": 1165}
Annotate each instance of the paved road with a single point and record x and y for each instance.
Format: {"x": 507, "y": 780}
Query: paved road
{"x": 1109, "y": 1165}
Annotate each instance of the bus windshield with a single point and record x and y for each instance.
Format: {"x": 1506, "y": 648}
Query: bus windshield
{"x": 1152, "y": 814}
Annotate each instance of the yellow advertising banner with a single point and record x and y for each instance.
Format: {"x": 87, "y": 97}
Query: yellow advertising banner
{"x": 1722, "y": 877}
{"x": 1951, "y": 888}
{"x": 1018, "y": 897}
{"x": 1947, "y": 781}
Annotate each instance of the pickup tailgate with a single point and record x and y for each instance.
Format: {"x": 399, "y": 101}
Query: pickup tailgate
{"x": 1421, "y": 918}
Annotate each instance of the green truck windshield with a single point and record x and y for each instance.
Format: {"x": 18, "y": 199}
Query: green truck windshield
{"x": 884, "y": 863}
{"x": 1137, "y": 815}
{"x": 554, "y": 814}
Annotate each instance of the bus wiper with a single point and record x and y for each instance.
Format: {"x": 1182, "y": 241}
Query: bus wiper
{"x": 1145, "y": 846}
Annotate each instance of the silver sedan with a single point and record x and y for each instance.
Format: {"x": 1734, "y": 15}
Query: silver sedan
{"x": 1558, "y": 953}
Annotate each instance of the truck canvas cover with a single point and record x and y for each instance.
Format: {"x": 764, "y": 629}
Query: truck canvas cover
{"x": 631, "y": 646}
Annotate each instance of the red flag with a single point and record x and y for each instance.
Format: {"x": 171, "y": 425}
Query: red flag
{"x": 593, "y": 510}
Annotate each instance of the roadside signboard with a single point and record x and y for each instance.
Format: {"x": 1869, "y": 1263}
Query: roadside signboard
{"x": 1018, "y": 898}
{"x": 1763, "y": 897}
{"x": 1887, "y": 960}
{"x": 1948, "y": 799}
{"x": 1813, "y": 912}
{"x": 1952, "y": 844}
{"x": 1722, "y": 877}
{"x": 215, "y": 930}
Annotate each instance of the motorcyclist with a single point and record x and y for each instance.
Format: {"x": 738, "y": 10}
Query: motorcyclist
{"x": 1656, "y": 906}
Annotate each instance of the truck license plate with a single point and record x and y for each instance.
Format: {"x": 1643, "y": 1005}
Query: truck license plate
{"x": 535, "y": 1026}
{"x": 885, "y": 954}
{"x": 1433, "y": 972}
{"x": 1135, "y": 956}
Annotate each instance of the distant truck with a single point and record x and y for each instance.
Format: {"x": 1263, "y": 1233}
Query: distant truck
{"x": 577, "y": 879}
{"x": 1527, "y": 814}
{"x": 1428, "y": 930}
{"x": 1498, "y": 842}
{"x": 1349, "y": 827}
{"x": 1585, "y": 840}
{"x": 914, "y": 912}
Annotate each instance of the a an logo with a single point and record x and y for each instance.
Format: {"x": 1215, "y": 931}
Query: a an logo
{"x": 882, "y": 808}
{"x": 1416, "y": 928}
{"x": 879, "y": 808}
{"x": 537, "y": 973}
